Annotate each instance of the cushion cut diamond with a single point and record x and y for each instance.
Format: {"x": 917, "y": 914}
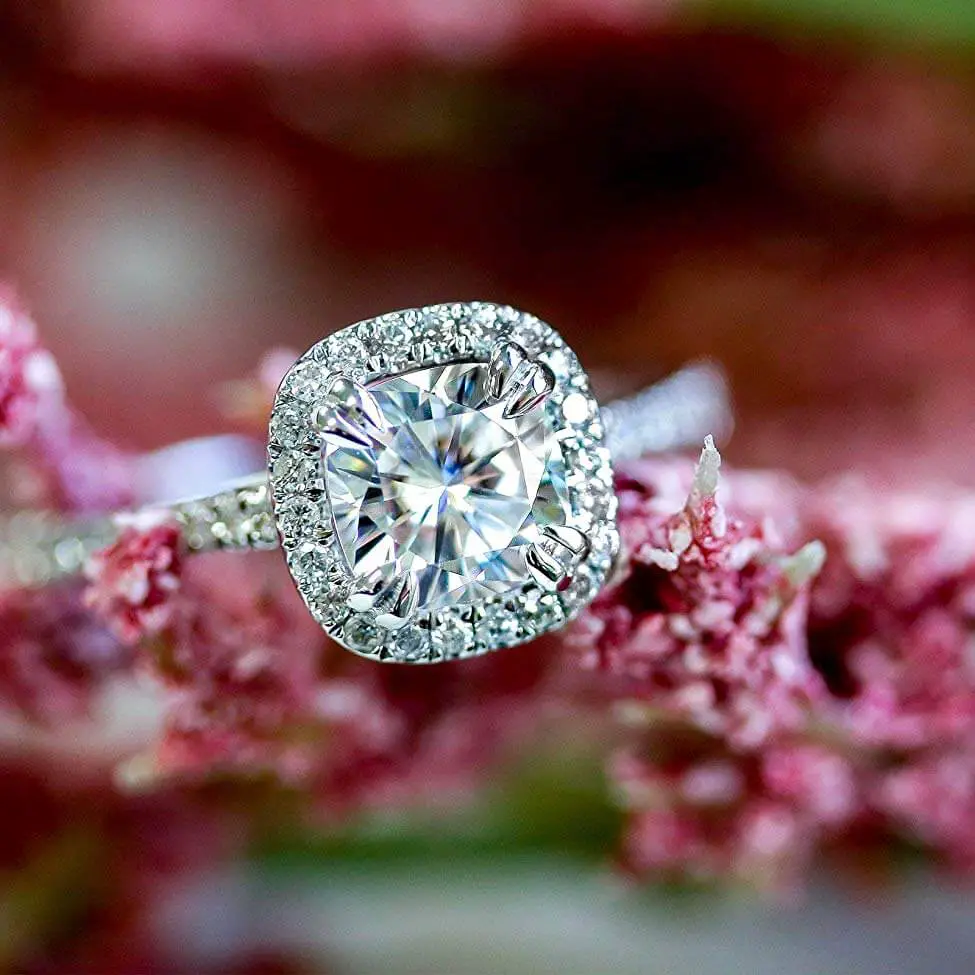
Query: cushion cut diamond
{"x": 447, "y": 487}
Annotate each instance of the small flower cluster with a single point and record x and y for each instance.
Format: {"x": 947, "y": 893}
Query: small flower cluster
{"x": 54, "y": 654}
{"x": 133, "y": 580}
{"x": 892, "y": 624}
{"x": 708, "y": 622}
{"x": 776, "y": 705}
{"x": 701, "y": 812}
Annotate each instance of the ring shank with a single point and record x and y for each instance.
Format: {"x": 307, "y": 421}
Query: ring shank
{"x": 679, "y": 411}
{"x": 39, "y": 547}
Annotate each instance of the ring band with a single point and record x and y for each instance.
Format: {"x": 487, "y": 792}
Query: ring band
{"x": 439, "y": 479}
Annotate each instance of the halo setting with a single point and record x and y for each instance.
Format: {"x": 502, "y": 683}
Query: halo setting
{"x": 440, "y": 483}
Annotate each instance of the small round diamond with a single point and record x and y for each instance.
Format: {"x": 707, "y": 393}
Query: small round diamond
{"x": 451, "y": 638}
{"x": 296, "y": 472}
{"x": 261, "y": 530}
{"x": 410, "y": 644}
{"x": 343, "y": 354}
{"x": 501, "y": 627}
{"x": 304, "y": 381}
{"x": 485, "y": 317}
{"x": 289, "y": 428}
{"x": 575, "y": 408}
{"x": 397, "y": 336}
{"x": 361, "y": 635}
{"x": 431, "y": 322}
{"x": 298, "y": 518}
{"x": 310, "y": 569}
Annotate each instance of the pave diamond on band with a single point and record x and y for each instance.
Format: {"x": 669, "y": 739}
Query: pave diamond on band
{"x": 439, "y": 479}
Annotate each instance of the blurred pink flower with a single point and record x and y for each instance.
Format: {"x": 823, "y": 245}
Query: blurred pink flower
{"x": 254, "y": 686}
{"x": 54, "y": 654}
{"x": 892, "y": 615}
{"x": 30, "y": 382}
{"x": 709, "y": 817}
{"x": 242, "y": 657}
{"x": 814, "y": 779}
{"x": 72, "y": 467}
{"x": 133, "y": 582}
{"x": 932, "y": 800}
{"x": 408, "y": 736}
{"x": 707, "y": 622}
{"x": 181, "y": 36}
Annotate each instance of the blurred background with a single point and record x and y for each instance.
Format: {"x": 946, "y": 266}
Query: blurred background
{"x": 787, "y": 186}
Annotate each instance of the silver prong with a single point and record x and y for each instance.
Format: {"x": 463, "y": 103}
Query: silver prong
{"x": 367, "y": 592}
{"x": 544, "y": 569}
{"x": 575, "y": 541}
{"x": 520, "y": 382}
{"x": 553, "y": 558}
{"x": 393, "y": 601}
{"x": 531, "y": 386}
{"x": 349, "y": 410}
{"x": 404, "y": 607}
{"x": 506, "y": 359}
{"x": 355, "y": 398}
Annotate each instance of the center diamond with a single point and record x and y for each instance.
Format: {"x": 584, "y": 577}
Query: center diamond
{"x": 448, "y": 489}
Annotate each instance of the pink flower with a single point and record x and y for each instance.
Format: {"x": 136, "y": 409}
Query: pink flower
{"x": 242, "y": 658}
{"x": 133, "y": 582}
{"x": 181, "y": 35}
{"x": 705, "y": 816}
{"x": 72, "y": 468}
{"x": 53, "y": 654}
{"x": 708, "y": 620}
{"x": 407, "y": 736}
{"x": 891, "y": 617}
{"x": 697, "y": 811}
{"x": 818, "y": 782}
{"x": 932, "y": 800}
{"x": 254, "y": 686}
{"x": 30, "y": 382}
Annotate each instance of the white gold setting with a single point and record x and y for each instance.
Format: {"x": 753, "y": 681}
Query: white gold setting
{"x": 504, "y": 380}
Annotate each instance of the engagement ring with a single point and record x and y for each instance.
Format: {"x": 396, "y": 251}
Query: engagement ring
{"x": 439, "y": 480}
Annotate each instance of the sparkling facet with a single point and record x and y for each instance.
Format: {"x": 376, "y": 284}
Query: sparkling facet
{"x": 411, "y": 644}
{"x": 449, "y": 489}
{"x": 452, "y": 638}
{"x": 295, "y": 471}
{"x": 361, "y": 634}
{"x": 298, "y": 518}
{"x": 289, "y": 427}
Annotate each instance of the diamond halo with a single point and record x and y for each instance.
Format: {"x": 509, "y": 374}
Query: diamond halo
{"x": 498, "y": 399}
